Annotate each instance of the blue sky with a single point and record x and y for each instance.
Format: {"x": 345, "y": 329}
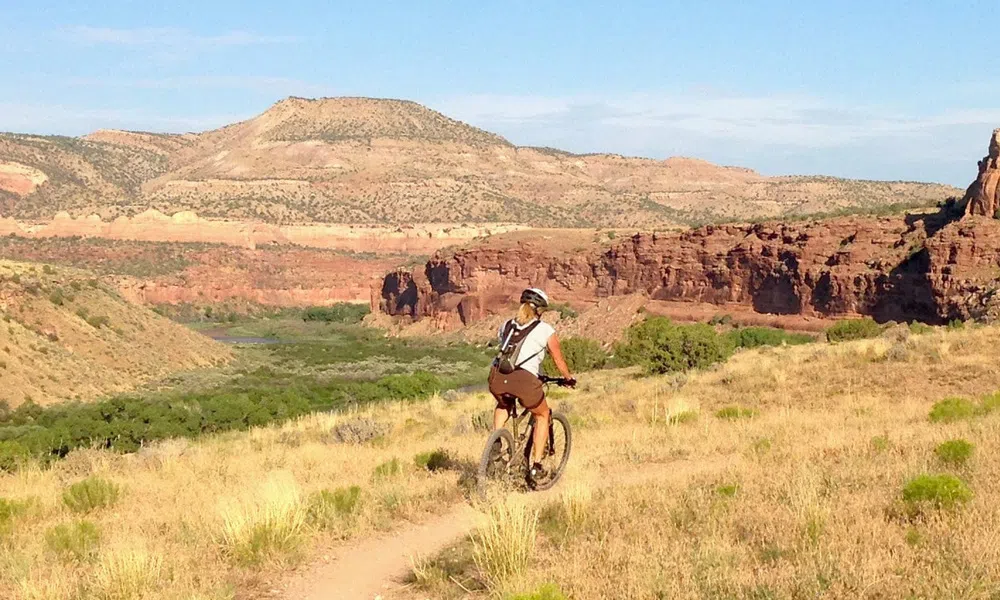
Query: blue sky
{"x": 883, "y": 90}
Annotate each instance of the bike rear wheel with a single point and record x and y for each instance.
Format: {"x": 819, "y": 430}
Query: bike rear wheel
{"x": 497, "y": 459}
{"x": 557, "y": 452}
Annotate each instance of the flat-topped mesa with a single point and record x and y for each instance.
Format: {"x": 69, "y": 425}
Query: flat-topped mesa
{"x": 983, "y": 196}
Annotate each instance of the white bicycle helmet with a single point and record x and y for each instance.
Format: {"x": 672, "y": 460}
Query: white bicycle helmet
{"x": 535, "y": 297}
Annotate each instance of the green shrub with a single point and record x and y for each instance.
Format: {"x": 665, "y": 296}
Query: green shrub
{"x": 126, "y": 423}
{"x": 954, "y": 452}
{"x": 686, "y": 416}
{"x": 956, "y": 324}
{"x": 565, "y": 310}
{"x": 755, "y": 337}
{"x": 733, "y": 413}
{"x": 727, "y": 490}
{"x": 12, "y": 455}
{"x": 721, "y": 320}
{"x": 482, "y": 421}
{"x": 953, "y": 409}
{"x": 935, "y": 491}
{"x": 342, "y": 312}
{"x": 434, "y": 460}
{"x": 327, "y": 508}
{"x": 98, "y": 321}
{"x": 90, "y": 494}
{"x": 918, "y": 328}
{"x": 661, "y": 346}
{"x": 389, "y": 468}
{"x": 546, "y": 592}
{"x": 9, "y": 511}
{"x": 990, "y": 403}
{"x": 77, "y": 541}
{"x": 581, "y": 354}
{"x": 880, "y": 443}
{"x": 57, "y": 297}
{"x": 853, "y": 329}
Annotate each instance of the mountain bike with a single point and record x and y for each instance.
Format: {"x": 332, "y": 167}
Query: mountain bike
{"x": 507, "y": 456}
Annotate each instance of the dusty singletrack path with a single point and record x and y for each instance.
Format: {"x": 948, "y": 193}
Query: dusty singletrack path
{"x": 377, "y": 567}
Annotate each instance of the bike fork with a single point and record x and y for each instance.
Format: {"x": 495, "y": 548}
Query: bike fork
{"x": 552, "y": 436}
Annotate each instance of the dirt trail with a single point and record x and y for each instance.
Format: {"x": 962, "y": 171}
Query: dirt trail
{"x": 377, "y": 568}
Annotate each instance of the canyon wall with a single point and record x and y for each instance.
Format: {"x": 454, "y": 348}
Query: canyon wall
{"x": 838, "y": 267}
{"x": 932, "y": 267}
{"x": 900, "y": 268}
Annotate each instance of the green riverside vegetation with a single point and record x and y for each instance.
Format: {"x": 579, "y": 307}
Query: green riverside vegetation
{"x": 321, "y": 361}
{"x": 661, "y": 346}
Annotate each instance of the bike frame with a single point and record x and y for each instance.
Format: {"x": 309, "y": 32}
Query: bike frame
{"x": 524, "y": 445}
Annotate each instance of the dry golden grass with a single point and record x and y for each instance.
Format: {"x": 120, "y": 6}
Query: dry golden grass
{"x": 127, "y": 573}
{"x": 804, "y": 499}
{"x": 504, "y": 544}
{"x": 270, "y": 524}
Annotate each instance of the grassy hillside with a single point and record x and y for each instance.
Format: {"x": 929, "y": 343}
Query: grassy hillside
{"x": 66, "y": 336}
{"x": 82, "y": 176}
{"x": 784, "y": 472}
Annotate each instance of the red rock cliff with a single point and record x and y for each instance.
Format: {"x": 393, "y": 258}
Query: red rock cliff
{"x": 928, "y": 267}
{"x": 983, "y": 196}
{"x": 839, "y": 267}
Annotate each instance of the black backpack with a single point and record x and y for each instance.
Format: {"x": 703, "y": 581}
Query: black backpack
{"x": 510, "y": 348}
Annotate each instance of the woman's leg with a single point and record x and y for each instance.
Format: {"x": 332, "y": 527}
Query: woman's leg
{"x": 499, "y": 417}
{"x": 540, "y": 437}
{"x": 497, "y": 388}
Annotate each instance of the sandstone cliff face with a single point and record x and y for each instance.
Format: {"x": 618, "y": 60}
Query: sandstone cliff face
{"x": 188, "y": 227}
{"x": 927, "y": 267}
{"x": 830, "y": 268}
{"x": 983, "y": 196}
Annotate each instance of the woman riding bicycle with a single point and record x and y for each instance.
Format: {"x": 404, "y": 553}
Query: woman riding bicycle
{"x": 516, "y": 371}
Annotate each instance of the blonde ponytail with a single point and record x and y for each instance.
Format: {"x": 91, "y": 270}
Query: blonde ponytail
{"x": 526, "y": 314}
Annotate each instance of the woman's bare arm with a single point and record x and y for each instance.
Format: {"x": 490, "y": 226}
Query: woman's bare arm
{"x": 557, "y": 356}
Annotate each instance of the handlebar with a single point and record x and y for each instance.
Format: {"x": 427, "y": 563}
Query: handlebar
{"x": 560, "y": 381}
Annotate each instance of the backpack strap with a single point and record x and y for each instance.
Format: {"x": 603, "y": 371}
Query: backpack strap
{"x": 527, "y": 331}
{"x": 506, "y": 333}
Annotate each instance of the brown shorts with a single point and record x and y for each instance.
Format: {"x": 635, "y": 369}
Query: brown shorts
{"x": 520, "y": 384}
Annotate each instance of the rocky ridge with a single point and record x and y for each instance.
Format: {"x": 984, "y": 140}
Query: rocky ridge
{"x": 929, "y": 266}
{"x": 362, "y": 160}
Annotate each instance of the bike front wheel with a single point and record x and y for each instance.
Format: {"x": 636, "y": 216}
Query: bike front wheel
{"x": 556, "y": 452}
{"x": 498, "y": 456}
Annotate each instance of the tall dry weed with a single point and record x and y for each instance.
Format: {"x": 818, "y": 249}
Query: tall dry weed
{"x": 504, "y": 544}
{"x": 127, "y": 574}
{"x": 51, "y": 588}
{"x": 266, "y": 526}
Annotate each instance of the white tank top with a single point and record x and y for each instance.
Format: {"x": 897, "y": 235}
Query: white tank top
{"x": 533, "y": 348}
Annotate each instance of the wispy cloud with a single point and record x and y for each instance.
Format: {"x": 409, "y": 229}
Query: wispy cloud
{"x": 780, "y": 119}
{"x": 66, "y": 120}
{"x": 275, "y": 86}
{"x": 166, "y": 37}
{"x": 776, "y": 133}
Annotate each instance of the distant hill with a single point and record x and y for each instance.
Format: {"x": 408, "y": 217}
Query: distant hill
{"x": 361, "y": 160}
{"x": 68, "y": 337}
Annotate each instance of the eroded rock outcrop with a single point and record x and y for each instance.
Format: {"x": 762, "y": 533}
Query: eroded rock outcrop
{"x": 838, "y": 267}
{"x": 186, "y": 226}
{"x": 983, "y": 196}
{"x": 927, "y": 267}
